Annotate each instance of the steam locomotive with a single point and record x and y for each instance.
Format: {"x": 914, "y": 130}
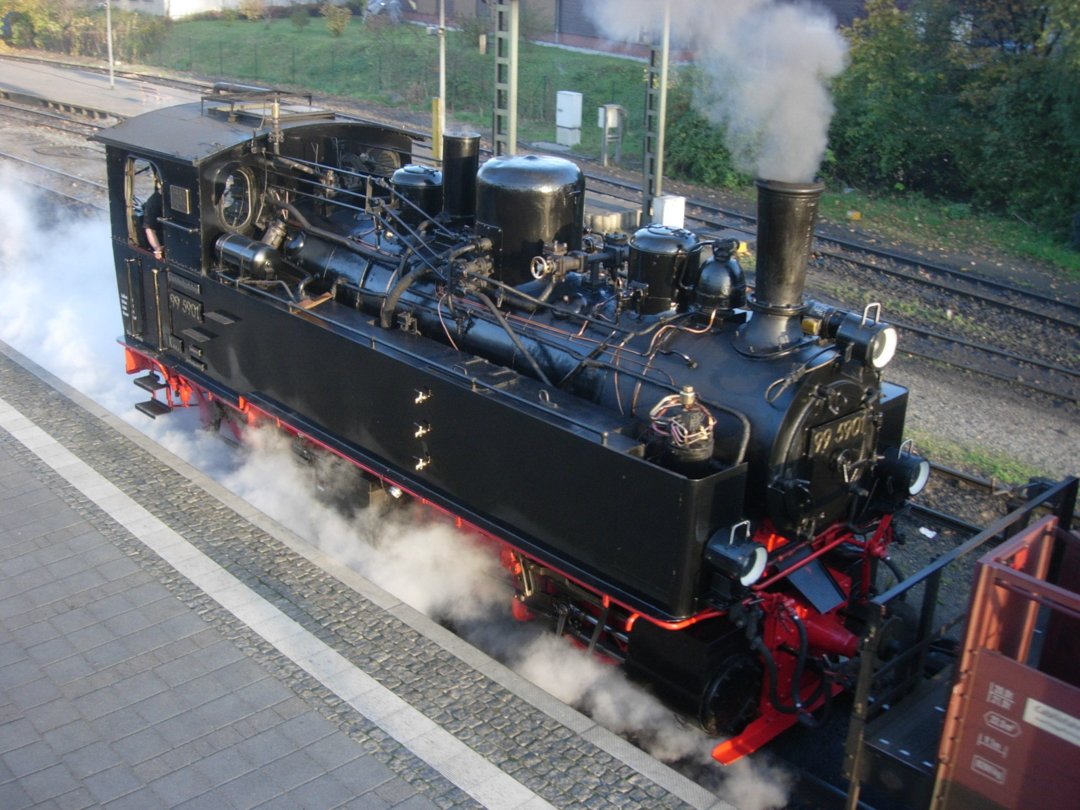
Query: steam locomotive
{"x": 695, "y": 481}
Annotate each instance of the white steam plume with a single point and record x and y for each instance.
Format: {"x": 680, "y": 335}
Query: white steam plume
{"x": 60, "y": 308}
{"x": 767, "y": 65}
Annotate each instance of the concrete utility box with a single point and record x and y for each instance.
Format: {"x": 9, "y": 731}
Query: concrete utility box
{"x": 568, "y": 118}
{"x": 608, "y": 116}
{"x": 611, "y": 118}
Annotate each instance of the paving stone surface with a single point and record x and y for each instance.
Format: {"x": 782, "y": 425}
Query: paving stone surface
{"x": 113, "y": 690}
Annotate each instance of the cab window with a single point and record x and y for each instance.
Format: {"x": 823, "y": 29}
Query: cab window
{"x": 144, "y": 201}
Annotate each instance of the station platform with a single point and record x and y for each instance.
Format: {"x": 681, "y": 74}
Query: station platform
{"x": 164, "y": 644}
{"x": 62, "y": 84}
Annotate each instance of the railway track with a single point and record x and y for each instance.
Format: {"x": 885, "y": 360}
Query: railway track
{"x": 48, "y": 117}
{"x": 94, "y": 200}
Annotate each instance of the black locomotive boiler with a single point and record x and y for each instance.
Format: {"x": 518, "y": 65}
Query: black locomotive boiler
{"x": 695, "y": 482}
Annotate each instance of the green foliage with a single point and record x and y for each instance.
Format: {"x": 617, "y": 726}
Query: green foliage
{"x": 300, "y": 17}
{"x": 974, "y": 101}
{"x": 896, "y": 105}
{"x": 21, "y": 30}
{"x": 74, "y": 29}
{"x": 252, "y": 9}
{"x": 694, "y": 148}
{"x": 337, "y": 19}
{"x": 1019, "y": 165}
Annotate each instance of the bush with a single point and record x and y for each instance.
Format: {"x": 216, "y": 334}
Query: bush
{"x": 694, "y": 149}
{"x": 897, "y": 106}
{"x": 252, "y": 9}
{"x": 82, "y": 32}
{"x": 971, "y": 106}
{"x": 300, "y": 17}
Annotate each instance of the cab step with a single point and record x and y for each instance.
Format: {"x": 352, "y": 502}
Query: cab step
{"x": 149, "y": 382}
{"x": 153, "y": 408}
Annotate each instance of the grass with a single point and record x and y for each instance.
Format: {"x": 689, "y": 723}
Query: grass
{"x": 975, "y": 460}
{"x": 950, "y": 226}
{"x": 397, "y": 66}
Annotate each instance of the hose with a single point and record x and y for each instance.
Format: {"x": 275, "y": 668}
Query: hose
{"x": 797, "y": 705}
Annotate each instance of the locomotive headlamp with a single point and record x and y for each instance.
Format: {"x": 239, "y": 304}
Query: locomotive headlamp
{"x": 882, "y": 346}
{"x": 872, "y": 342}
{"x": 903, "y": 471}
{"x": 743, "y": 560}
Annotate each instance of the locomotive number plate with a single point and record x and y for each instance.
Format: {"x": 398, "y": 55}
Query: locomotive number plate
{"x": 847, "y": 431}
{"x": 188, "y": 307}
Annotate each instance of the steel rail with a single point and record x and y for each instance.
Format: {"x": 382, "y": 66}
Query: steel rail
{"x": 1012, "y": 376}
{"x": 978, "y": 296}
{"x": 35, "y": 111}
{"x": 51, "y": 170}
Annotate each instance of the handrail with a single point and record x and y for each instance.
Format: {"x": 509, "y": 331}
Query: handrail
{"x": 1060, "y": 499}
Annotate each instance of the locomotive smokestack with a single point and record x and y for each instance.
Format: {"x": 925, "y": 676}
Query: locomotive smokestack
{"x": 461, "y": 159}
{"x": 787, "y": 213}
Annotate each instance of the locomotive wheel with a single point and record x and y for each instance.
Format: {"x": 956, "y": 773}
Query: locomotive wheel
{"x": 731, "y": 700}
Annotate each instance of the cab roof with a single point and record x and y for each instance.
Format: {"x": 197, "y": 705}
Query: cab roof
{"x": 193, "y": 132}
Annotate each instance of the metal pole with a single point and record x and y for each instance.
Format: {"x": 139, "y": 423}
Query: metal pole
{"x": 436, "y": 147}
{"x": 665, "y": 51}
{"x": 504, "y": 125}
{"x": 108, "y": 39}
{"x": 655, "y": 113}
{"x": 515, "y": 39}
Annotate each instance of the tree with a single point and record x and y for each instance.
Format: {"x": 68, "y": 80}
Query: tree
{"x": 337, "y": 19}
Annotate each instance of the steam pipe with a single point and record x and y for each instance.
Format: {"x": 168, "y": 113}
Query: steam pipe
{"x": 513, "y": 337}
{"x": 389, "y": 304}
{"x": 461, "y": 160}
{"x": 305, "y": 224}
